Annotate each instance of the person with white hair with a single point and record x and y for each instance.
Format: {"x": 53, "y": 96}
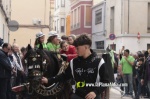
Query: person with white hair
{"x": 53, "y": 42}
{"x": 40, "y": 37}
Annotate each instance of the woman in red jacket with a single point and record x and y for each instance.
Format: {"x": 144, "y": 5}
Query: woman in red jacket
{"x": 68, "y": 50}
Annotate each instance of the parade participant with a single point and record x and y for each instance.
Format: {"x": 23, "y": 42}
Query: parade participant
{"x": 5, "y": 71}
{"x": 86, "y": 68}
{"x": 40, "y": 39}
{"x": 53, "y": 43}
{"x": 68, "y": 50}
{"x": 71, "y": 39}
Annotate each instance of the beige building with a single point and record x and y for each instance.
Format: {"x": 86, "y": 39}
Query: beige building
{"x": 33, "y": 16}
{"x": 5, "y": 12}
{"x": 125, "y": 19}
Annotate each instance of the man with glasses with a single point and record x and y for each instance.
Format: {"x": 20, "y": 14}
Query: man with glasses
{"x": 5, "y": 71}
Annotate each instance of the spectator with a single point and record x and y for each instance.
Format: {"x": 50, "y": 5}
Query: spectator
{"x": 146, "y": 72}
{"x": 5, "y": 72}
{"x": 53, "y": 43}
{"x": 1, "y": 42}
{"x": 87, "y": 67}
{"x": 71, "y": 39}
{"x": 40, "y": 37}
{"x": 139, "y": 70}
{"x": 20, "y": 70}
{"x": 126, "y": 63}
{"x": 68, "y": 50}
{"x": 64, "y": 38}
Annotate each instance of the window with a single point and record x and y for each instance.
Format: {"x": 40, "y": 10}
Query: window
{"x": 75, "y": 18}
{"x": 79, "y": 15}
{"x": 57, "y": 25}
{"x": 148, "y": 25}
{"x": 63, "y": 25}
{"x": 112, "y": 16}
{"x": 98, "y": 16}
{"x": 0, "y": 2}
{"x": 99, "y": 45}
{"x": 88, "y": 16}
{"x": 148, "y": 46}
{"x": 72, "y": 20}
{"x": 62, "y": 3}
{"x": 113, "y": 47}
{"x": 58, "y": 3}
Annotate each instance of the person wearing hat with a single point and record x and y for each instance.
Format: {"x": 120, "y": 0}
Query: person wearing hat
{"x": 53, "y": 42}
{"x": 40, "y": 37}
{"x": 87, "y": 67}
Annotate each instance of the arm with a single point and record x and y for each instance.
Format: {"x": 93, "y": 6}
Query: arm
{"x": 104, "y": 78}
{"x": 131, "y": 63}
{"x": 62, "y": 77}
{"x": 16, "y": 64}
{"x": 71, "y": 56}
{"x": 4, "y": 62}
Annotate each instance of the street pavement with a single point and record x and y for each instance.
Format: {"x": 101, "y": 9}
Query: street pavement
{"x": 115, "y": 94}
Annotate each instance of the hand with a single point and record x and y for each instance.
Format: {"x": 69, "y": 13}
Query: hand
{"x": 90, "y": 95}
{"x": 64, "y": 57}
{"x": 14, "y": 71}
{"x": 142, "y": 81}
{"x": 22, "y": 72}
{"x": 125, "y": 57}
{"x": 44, "y": 80}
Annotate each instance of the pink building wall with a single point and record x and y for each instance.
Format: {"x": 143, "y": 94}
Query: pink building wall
{"x": 82, "y": 28}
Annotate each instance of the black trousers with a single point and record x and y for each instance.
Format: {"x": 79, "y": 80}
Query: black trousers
{"x": 5, "y": 88}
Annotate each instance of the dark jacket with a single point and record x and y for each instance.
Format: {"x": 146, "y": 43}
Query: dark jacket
{"x": 5, "y": 65}
{"x": 145, "y": 70}
{"x": 85, "y": 70}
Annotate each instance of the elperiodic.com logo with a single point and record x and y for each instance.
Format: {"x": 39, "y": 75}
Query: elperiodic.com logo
{"x": 100, "y": 84}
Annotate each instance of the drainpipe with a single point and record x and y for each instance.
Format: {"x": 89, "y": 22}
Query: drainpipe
{"x": 104, "y": 31}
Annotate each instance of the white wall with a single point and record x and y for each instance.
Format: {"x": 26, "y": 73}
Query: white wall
{"x": 130, "y": 43}
{"x": 3, "y": 24}
{"x": 97, "y": 29}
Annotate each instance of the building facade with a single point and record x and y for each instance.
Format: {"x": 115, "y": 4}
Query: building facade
{"x": 5, "y": 13}
{"x": 81, "y": 16}
{"x": 98, "y": 25}
{"x": 33, "y": 16}
{"x": 62, "y": 9}
{"x": 126, "y": 19}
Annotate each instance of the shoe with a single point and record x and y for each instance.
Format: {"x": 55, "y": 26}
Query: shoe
{"x": 124, "y": 95}
{"x": 136, "y": 97}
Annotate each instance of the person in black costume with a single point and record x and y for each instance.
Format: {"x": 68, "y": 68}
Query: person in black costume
{"x": 86, "y": 68}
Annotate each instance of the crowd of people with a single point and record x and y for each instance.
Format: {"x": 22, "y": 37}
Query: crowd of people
{"x": 85, "y": 65}
{"x": 13, "y": 71}
{"x": 133, "y": 69}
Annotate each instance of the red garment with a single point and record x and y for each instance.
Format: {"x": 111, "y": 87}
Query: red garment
{"x": 71, "y": 53}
